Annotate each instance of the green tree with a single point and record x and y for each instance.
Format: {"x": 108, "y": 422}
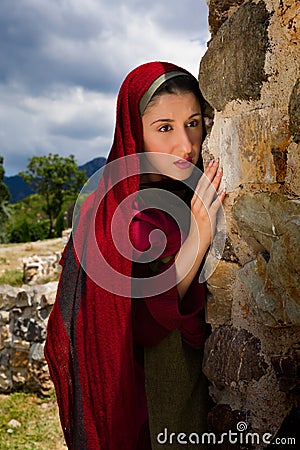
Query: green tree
{"x": 55, "y": 178}
{"x": 4, "y": 199}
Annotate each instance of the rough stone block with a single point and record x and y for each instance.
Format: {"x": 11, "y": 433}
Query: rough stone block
{"x": 38, "y": 378}
{"x": 4, "y": 360}
{"x": 289, "y": 16}
{"x": 5, "y": 382}
{"x": 19, "y": 358}
{"x": 4, "y": 335}
{"x": 265, "y": 309}
{"x": 37, "y": 352}
{"x": 253, "y": 146}
{"x": 265, "y": 213}
{"x": 220, "y": 287}
{"x": 218, "y": 307}
{"x": 4, "y": 316}
{"x": 233, "y": 66}
{"x": 294, "y": 112}
{"x": 287, "y": 369}
{"x": 46, "y": 294}
{"x": 31, "y": 330}
{"x": 224, "y": 275}
{"x": 7, "y": 297}
{"x": 19, "y": 344}
{"x": 23, "y": 298}
{"x": 233, "y": 355}
{"x": 18, "y": 379}
{"x": 270, "y": 224}
{"x": 219, "y": 11}
{"x": 293, "y": 164}
{"x": 20, "y": 327}
{"x": 36, "y": 331}
{"x": 221, "y": 419}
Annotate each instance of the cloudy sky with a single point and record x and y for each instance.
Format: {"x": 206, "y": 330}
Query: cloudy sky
{"x": 62, "y": 63}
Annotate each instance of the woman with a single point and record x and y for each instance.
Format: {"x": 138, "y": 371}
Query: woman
{"x": 108, "y": 309}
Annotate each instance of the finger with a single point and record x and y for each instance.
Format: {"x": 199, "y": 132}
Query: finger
{"x": 205, "y": 192}
{"x": 210, "y": 203}
{"x": 211, "y": 194}
{"x": 208, "y": 176}
{"x": 211, "y": 167}
{"x": 217, "y": 203}
{"x": 217, "y": 178}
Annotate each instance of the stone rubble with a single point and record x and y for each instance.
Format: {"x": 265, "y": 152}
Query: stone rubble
{"x": 38, "y": 269}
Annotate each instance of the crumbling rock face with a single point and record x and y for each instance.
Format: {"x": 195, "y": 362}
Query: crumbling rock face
{"x": 250, "y": 75}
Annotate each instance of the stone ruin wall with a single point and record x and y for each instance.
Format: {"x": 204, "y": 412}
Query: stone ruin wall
{"x": 250, "y": 76}
{"x": 24, "y": 312}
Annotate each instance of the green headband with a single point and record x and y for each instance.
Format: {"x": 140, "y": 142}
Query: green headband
{"x": 154, "y": 86}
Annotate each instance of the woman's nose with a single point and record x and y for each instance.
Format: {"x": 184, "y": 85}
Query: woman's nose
{"x": 184, "y": 142}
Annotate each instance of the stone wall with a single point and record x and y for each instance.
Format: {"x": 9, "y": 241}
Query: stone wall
{"x": 23, "y": 317}
{"x": 250, "y": 76}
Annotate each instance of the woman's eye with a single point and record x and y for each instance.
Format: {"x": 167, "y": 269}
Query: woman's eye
{"x": 193, "y": 123}
{"x": 164, "y": 128}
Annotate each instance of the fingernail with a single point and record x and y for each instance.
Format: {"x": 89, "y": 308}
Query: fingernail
{"x": 211, "y": 163}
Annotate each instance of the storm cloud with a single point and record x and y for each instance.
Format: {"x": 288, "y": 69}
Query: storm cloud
{"x": 62, "y": 63}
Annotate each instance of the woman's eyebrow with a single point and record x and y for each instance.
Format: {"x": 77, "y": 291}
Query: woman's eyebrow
{"x": 162, "y": 120}
{"x": 195, "y": 114}
{"x": 172, "y": 120}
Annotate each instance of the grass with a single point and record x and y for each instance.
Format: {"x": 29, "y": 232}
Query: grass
{"x": 38, "y": 416}
{"x": 13, "y": 277}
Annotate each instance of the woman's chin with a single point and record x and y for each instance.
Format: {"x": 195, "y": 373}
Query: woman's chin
{"x": 180, "y": 174}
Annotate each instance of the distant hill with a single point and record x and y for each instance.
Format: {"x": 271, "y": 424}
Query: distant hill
{"x": 92, "y": 166}
{"x": 19, "y": 189}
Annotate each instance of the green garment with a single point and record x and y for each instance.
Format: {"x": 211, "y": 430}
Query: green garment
{"x": 177, "y": 393}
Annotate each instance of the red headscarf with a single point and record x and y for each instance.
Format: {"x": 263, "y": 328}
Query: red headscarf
{"x": 89, "y": 345}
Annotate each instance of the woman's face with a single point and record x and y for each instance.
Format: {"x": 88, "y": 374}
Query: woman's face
{"x": 172, "y": 135}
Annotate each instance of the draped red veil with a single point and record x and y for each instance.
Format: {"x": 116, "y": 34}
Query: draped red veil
{"x": 89, "y": 347}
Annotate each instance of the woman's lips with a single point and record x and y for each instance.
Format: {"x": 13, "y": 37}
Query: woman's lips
{"x": 183, "y": 163}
